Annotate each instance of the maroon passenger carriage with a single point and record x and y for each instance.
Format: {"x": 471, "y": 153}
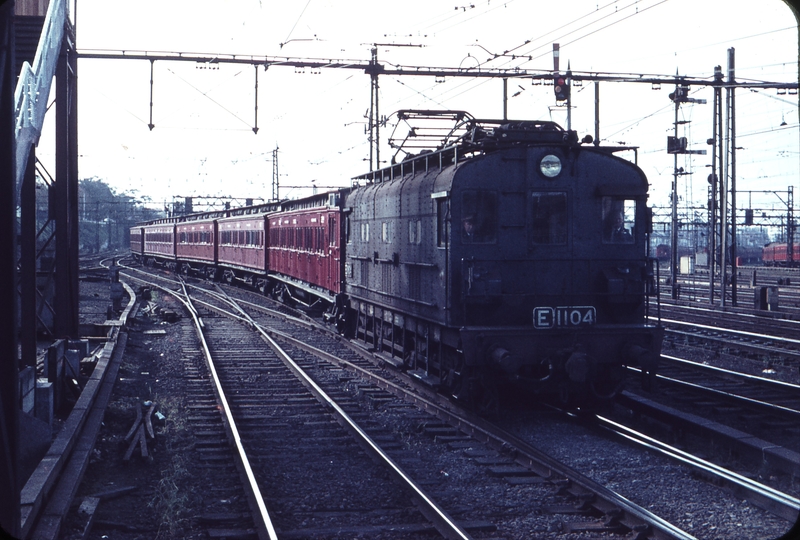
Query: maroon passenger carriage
{"x": 242, "y": 249}
{"x": 196, "y": 246}
{"x": 777, "y": 254}
{"x": 159, "y": 243}
{"x": 137, "y": 241}
{"x": 305, "y": 259}
{"x": 291, "y": 250}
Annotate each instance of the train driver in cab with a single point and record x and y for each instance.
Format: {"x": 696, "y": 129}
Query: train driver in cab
{"x": 616, "y": 232}
{"x": 468, "y": 228}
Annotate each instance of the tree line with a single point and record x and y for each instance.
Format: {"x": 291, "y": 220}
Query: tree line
{"x": 105, "y": 216}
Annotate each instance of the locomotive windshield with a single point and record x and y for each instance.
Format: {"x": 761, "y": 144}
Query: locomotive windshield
{"x": 548, "y": 218}
{"x": 479, "y": 217}
{"x": 618, "y": 220}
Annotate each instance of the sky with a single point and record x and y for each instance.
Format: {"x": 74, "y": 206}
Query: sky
{"x": 203, "y": 142}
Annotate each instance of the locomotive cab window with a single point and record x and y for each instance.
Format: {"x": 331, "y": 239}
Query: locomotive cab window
{"x": 442, "y": 222}
{"x": 548, "y": 218}
{"x": 479, "y": 217}
{"x": 619, "y": 220}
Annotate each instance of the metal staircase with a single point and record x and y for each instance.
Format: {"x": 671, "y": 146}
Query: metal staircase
{"x": 33, "y": 86}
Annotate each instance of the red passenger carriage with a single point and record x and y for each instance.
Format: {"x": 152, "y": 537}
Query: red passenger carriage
{"x": 242, "y": 250}
{"x": 305, "y": 249}
{"x": 159, "y": 244}
{"x": 777, "y": 254}
{"x": 137, "y": 241}
{"x": 196, "y": 246}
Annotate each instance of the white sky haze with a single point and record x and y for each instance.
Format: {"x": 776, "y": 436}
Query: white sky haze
{"x": 203, "y": 142}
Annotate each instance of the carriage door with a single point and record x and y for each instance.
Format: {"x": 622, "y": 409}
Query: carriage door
{"x": 333, "y": 258}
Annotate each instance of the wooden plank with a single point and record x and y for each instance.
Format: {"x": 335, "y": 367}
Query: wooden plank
{"x": 135, "y": 422}
{"x": 86, "y": 513}
{"x": 141, "y": 440}
{"x": 148, "y": 422}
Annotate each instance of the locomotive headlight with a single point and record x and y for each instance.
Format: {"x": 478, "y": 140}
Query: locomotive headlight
{"x": 550, "y": 166}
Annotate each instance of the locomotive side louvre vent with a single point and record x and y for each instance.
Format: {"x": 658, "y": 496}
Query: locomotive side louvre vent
{"x": 414, "y": 282}
{"x": 386, "y": 278}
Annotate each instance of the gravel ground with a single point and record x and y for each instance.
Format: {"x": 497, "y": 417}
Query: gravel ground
{"x": 170, "y": 493}
{"x": 656, "y": 483}
{"x": 167, "y": 492}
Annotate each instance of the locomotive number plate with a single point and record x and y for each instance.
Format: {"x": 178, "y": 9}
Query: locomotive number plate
{"x": 563, "y": 317}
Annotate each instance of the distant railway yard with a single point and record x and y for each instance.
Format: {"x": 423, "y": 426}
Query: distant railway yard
{"x": 235, "y": 416}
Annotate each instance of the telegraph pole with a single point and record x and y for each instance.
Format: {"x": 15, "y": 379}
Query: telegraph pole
{"x": 732, "y": 168}
{"x": 275, "y": 189}
{"x": 673, "y": 258}
{"x": 596, "y": 113}
{"x": 505, "y": 98}
{"x": 569, "y": 97}
{"x": 714, "y": 221}
{"x": 374, "y": 111}
{"x": 678, "y": 145}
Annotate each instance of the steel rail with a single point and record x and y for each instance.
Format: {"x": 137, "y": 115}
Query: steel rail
{"x": 772, "y": 500}
{"x": 528, "y": 455}
{"x": 776, "y": 321}
{"x": 445, "y": 524}
{"x": 541, "y": 463}
{"x": 735, "y": 332}
{"x": 263, "y": 514}
{"x": 714, "y": 392}
{"x": 738, "y": 314}
{"x": 219, "y": 296}
{"x": 723, "y": 371}
{"x": 259, "y": 499}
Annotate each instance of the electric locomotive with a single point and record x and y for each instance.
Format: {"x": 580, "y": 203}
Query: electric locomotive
{"x": 502, "y": 252}
{"x": 510, "y": 253}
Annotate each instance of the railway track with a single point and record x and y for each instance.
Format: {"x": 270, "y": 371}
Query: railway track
{"x": 288, "y": 425}
{"x": 467, "y": 441}
{"x": 739, "y": 420}
{"x": 215, "y": 457}
{"x": 469, "y": 446}
{"x": 723, "y": 338}
{"x": 745, "y": 320}
{"x": 695, "y": 287}
{"x": 746, "y": 422}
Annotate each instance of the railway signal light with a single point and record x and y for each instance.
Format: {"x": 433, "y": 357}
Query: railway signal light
{"x": 561, "y": 87}
{"x": 680, "y": 95}
{"x": 676, "y": 145}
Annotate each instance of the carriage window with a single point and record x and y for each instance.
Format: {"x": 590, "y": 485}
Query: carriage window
{"x": 618, "y": 218}
{"x": 548, "y": 218}
{"x": 479, "y": 217}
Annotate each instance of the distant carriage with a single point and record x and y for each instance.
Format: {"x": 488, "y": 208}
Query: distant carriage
{"x": 777, "y": 254}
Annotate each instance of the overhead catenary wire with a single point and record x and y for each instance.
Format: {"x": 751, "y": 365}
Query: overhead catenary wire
{"x": 295, "y": 24}
{"x": 206, "y": 93}
{"x": 445, "y": 22}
